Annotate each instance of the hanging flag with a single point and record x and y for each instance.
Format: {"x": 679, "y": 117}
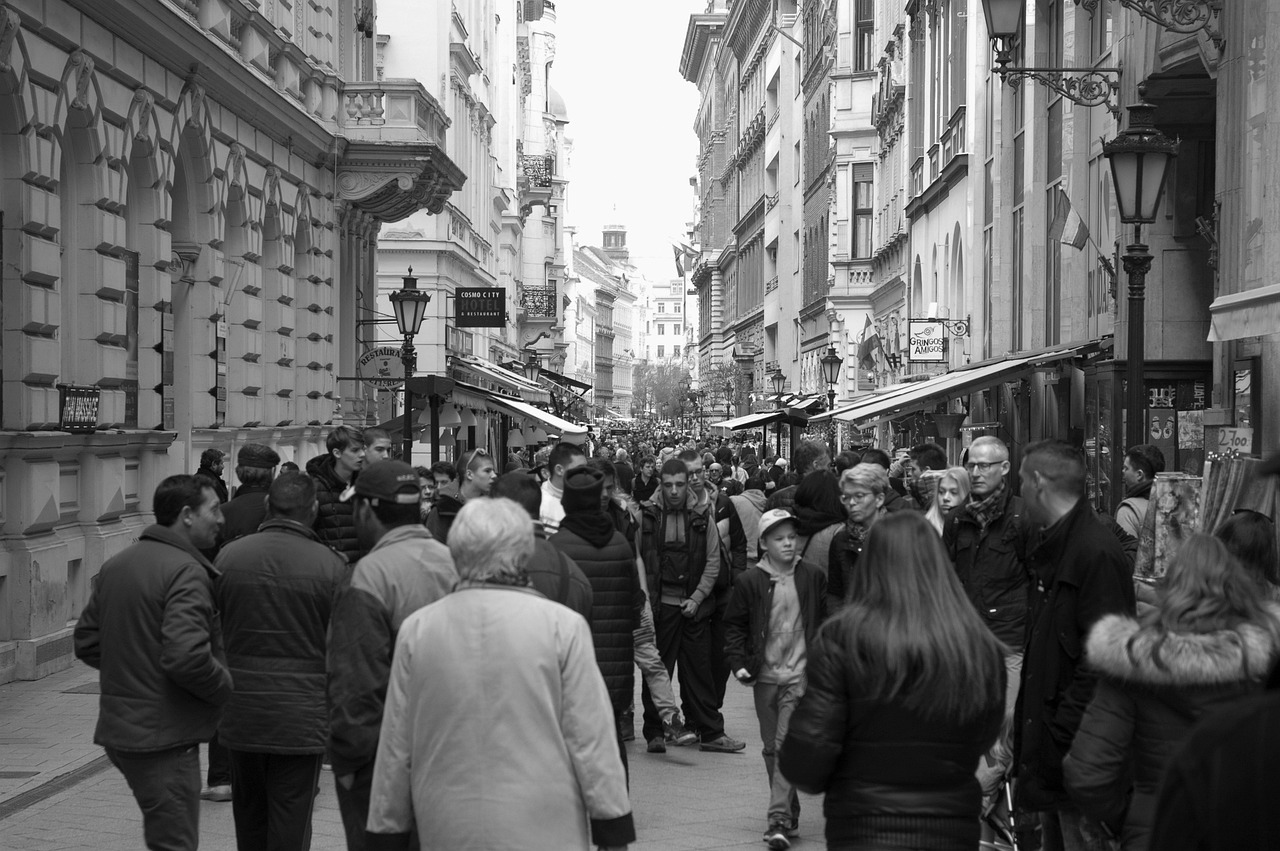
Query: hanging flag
{"x": 679, "y": 260}
{"x": 1067, "y": 227}
{"x": 867, "y": 348}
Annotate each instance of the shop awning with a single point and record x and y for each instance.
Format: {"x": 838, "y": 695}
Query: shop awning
{"x": 564, "y": 380}
{"x": 504, "y": 378}
{"x": 763, "y": 418}
{"x": 956, "y": 383}
{"x": 571, "y": 432}
{"x": 1252, "y": 313}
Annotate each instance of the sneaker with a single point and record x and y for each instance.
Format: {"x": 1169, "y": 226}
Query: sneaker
{"x": 221, "y": 794}
{"x": 793, "y": 827}
{"x": 724, "y": 744}
{"x": 776, "y": 836}
{"x": 677, "y": 733}
{"x": 657, "y": 745}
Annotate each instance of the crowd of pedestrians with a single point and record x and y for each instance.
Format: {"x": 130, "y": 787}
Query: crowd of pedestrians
{"x": 951, "y": 654}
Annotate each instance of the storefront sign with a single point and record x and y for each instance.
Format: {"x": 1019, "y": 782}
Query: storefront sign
{"x": 79, "y": 408}
{"x": 381, "y": 368}
{"x": 481, "y": 307}
{"x": 927, "y": 341}
{"x": 1239, "y": 439}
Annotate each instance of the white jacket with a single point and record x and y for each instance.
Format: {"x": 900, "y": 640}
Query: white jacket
{"x": 498, "y": 732}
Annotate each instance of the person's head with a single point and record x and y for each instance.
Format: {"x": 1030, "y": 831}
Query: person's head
{"x": 609, "y": 488}
{"x": 987, "y": 466}
{"x": 384, "y": 496}
{"x": 1053, "y": 479}
{"x": 755, "y": 482}
{"x": 522, "y": 489}
{"x": 491, "y": 539}
{"x": 674, "y": 483}
{"x": 648, "y": 466}
{"x": 478, "y": 473}
{"x": 377, "y": 445}
{"x": 289, "y": 467}
{"x": 211, "y": 460}
{"x": 583, "y": 491}
{"x": 188, "y": 505}
{"x": 564, "y": 457}
{"x": 426, "y": 483}
{"x": 1141, "y": 463}
{"x": 810, "y": 455}
{"x": 953, "y": 488}
{"x": 847, "y": 460}
{"x": 778, "y": 537}
{"x": 1205, "y": 589}
{"x": 820, "y": 492}
{"x": 621, "y": 457}
{"x": 697, "y": 468}
{"x": 1251, "y": 538}
{"x": 346, "y": 445}
{"x": 878, "y": 457}
{"x": 444, "y": 473}
{"x": 255, "y": 464}
{"x": 924, "y": 456}
{"x": 862, "y": 490}
{"x": 917, "y": 640}
{"x": 292, "y": 496}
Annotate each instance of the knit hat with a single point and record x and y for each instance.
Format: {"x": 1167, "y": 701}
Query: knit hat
{"x": 772, "y": 518}
{"x": 257, "y": 455}
{"x": 582, "y": 489}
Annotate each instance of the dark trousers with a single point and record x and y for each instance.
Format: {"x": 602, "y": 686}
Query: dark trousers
{"x": 166, "y": 786}
{"x": 219, "y": 773}
{"x": 272, "y": 796}
{"x": 719, "y": 661}
{"x": 353, "y": 804}
{"x": 685, "y": 643}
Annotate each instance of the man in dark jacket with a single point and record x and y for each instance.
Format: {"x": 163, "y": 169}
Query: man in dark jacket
{"x": 276, "y": 596}
{"x": 645, "y": 484}
{"x": 404, "y": 570}
{"x": 255, "y": 467}
{"x": 476, "y": 475}
{"x": 335, "y": 523}
{"x": 810, "y": 455}
{"x": 1080, "y": 574}
{"x": 211, "y": 463}
{"x": 587, "y": 535}
{"x": 150, "y": 629}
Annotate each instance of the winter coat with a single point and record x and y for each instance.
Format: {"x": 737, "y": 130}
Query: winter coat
{"x": 609, "y": 564}
{"x": 888, "y": 771}
{"x": 335, "y": 522}
{"x": 642, "y": 490}
{"x": 895, "y": 502}
{"x": 842, "y": 558}
{"x": 449, "y": 502}
{"x": 991, "y": 566}
{"x": 405, "y": 570}
{"x": 276, "y": 596}
{"x": 815, "y": 549}
{"x": 219, "y": 484}
{"x": 151, "y": 629}
{"x": 701, "y": 556}
{"x": 784, "y": 498}
{"x": 1079, "y": 575}
{"x": 499, "y": 731}
{"x": 1155, "y": 685}
{"x": 245, "y": 513}
{"x": 555, "y": 576}
{"x": 747, "y": 619}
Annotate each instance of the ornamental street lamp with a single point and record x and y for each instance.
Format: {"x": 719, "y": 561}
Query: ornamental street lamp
{"x": 728, "y": 399}
{"x": 1139, "y": 159}
{"x": 831, "y": 363}
{"x": 532, "y": 367}
{"x": 410, "y": 306}
{"x": 779, "y": 384}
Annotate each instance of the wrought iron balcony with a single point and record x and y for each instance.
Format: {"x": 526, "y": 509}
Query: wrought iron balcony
{"x": 538, "y": 302}
{"x": 537, "y": 170}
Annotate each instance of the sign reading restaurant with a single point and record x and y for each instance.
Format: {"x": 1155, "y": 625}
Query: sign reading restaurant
{"x": 927, "y": 341}
{"x": 381, "y": 368}
{"x": 481, "y": 307}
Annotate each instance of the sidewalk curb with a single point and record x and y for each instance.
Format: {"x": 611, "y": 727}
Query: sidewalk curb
{"x": 49, "y": 788}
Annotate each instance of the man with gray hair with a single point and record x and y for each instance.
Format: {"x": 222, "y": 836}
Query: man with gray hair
{"x": 495, "y": 696}
{"x": 862, "y": 491}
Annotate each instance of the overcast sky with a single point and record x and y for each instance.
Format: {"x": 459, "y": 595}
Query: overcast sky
{"x": 631, "y": 120}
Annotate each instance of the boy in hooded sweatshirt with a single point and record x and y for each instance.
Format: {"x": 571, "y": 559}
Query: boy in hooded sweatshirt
{"x": 783, "y": 601}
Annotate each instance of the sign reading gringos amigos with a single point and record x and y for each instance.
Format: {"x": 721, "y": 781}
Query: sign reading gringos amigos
{"x": 927, "y": 340}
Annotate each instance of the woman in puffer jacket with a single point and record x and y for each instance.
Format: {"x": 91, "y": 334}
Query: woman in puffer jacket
{"x": 905, "y": 693}
{"x": 1211, "y": 638}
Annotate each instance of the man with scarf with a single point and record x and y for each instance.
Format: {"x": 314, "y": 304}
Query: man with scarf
{"x": 986, "y": 539}
{"x": 1141, "y": 463}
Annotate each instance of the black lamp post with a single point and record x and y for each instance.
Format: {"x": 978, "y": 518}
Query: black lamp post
{"x": 1139, "y": 159}
{"x": 532, "y": 367}
{"x": 728, "y": 399}
{"x": 1004, "y": 21}
{"x": 410, "y": 306}
{"x": 779, "y": 383}
{"x": 831, "y": 363}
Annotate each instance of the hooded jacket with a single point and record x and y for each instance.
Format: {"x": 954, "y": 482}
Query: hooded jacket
{"x": 151, "y": 630}
{"x": 335, "y": 521}
{"x": 1155, "y": 685}
{"x": 747, "y": 619}
{"x": 750, "y": 507}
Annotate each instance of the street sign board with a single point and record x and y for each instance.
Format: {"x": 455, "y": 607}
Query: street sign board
{"x": 927, "y": 341}
{"x": 381, "y": 368}
{"x": 480, "y": 307}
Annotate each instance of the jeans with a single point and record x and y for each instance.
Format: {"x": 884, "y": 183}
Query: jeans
{"x": 686, "y": 642}
{"x": 656, "y": 678}
{"x": 774, "y": 704}
{"x": 1070, "y": 830}
{"x": 166, "y": 786}
{"x": 353, "y": 805}
{"x": 272, "y": 796}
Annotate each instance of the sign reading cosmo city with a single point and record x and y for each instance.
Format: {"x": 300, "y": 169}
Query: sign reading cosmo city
{"x": 927, "y": 341}
{"x": 481, "y": 307}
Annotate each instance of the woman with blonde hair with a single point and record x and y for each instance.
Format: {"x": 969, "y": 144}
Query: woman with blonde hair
{"x": 1210, "y": 638}
{"x": 951, "y": 491}
{"x": 905, "y": 692}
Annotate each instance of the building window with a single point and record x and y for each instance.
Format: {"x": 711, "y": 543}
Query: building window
{"x": 675, "y": 329}
{"x": 662, "y": 351}
{"x": 661, "y": 310}
{"x": 677, "y": 306}
{"x": 662, "y": 329}
{"x": 862, "y": 186}
{"x": 864, "y": 26}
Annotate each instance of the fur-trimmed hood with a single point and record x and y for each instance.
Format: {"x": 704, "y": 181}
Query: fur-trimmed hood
{"x": 1120, "y": 648}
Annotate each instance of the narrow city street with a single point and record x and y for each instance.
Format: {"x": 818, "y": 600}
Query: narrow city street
{"x": 59, "y": 793}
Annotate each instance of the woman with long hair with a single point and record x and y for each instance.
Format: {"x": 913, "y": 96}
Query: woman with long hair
{"x": 905, "y": 693}
{"x": 1210, "y": 638}
{"x": 819, "y": 516}
{"x": 951, "y": 492}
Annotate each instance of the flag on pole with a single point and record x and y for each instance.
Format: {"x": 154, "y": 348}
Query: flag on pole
{"x": 867, "y": 348}
{"x": 679, "y": 260}
{"x": 1067, "y": 227}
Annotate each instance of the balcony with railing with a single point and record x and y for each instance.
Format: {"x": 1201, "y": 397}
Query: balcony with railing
{"x": 538, "y": 301}
{"x": 537, "y": 170}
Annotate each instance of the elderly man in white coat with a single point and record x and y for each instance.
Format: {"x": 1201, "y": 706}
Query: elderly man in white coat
{"x": 498, "y": 728}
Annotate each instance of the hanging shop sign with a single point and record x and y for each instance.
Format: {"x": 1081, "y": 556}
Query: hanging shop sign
{"x": 79, "y": 407}
{"x": 481, "y": 307}
{"x": 927, "y": 341}
{"x": 381, "y": 368}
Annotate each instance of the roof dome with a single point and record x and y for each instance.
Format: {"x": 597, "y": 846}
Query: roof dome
{"x": 555, "y": 104}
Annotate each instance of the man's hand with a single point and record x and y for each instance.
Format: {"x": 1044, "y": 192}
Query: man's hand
{"x": 688, "y": 608}
{"x": 743, "y": 675}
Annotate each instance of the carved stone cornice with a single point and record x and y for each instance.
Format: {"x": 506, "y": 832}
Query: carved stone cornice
{"x": 391, "y": 181}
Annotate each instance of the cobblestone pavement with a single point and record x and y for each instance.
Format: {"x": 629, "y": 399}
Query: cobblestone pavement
{"x": 58, "y": 793}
